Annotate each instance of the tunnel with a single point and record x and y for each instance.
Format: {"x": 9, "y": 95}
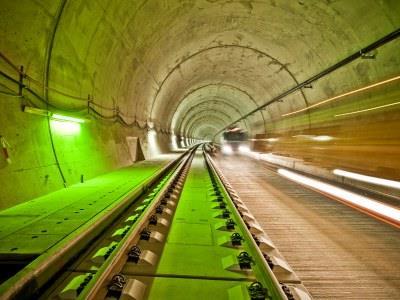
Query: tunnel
{"x": 131, "y": 129}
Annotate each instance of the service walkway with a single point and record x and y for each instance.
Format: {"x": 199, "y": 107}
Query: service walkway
{"x": 29, "y": 229}
{"x": 338, "y": 252}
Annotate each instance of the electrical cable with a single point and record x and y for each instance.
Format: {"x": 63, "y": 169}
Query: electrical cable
{"x": 116, "y": 118}
{"x": 10, "y": 94}
{"x": 361, "y": 53}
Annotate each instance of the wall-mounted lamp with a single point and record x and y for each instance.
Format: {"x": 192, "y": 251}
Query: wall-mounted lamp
{"x": 55, "y": 116}
{"x": 64, "y": 125}
{"x": 67, "y": 118}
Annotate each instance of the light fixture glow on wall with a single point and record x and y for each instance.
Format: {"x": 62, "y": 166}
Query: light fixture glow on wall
{"x": 65, "y": 127}
{"x": 61, "y": 124}
{"x": 368, "y": 179}
{"x": 374, "y": 207}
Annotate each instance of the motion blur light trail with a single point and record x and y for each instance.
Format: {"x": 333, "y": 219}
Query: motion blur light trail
{"x": 384, "y": 212}
{"x": 369, "y": 179}
{"x": 244, "y": 149}
{"x": 344, "y": 95}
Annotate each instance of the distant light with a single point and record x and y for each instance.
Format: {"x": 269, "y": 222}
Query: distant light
{"x": 234, "y": 129}
{"x": 368, "y": 109}
{"x": 227, "y": 149}
{"x": 152, "y": 132}
{"x": 272, "y": 140}
{"x": 174, "y": 142}
{"x": 152, "y": 142}
{"x": 65, "y": 127}
{"x": 344, "y": 94}
{"x": 322, "y": 138}
{"x": 376, "y": 207}
{"x": 304, "y": 136}
{"x": 369, "y": 179}
{"x": 244, "y": 149}
{"x": 319, "y": 138}
{"x": 67, "y": 118}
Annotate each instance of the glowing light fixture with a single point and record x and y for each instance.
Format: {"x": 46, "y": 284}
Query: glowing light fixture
{"x": 227, "y": 149}
{"x": 67, "y": 118}
{"x": 344, "y": 95}
{"x": 367, "y": 109}
{"x": 377, "y": 208}
{"x": 368, "y": 179}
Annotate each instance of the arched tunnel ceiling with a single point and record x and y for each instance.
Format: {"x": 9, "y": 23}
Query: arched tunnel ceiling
{"x": 216, "y": 97}
{"x": 221, "y": 105}
{"x": 169, "y": 61}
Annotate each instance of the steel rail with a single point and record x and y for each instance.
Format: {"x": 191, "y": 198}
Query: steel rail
{"x": 117, "y": 258}
{"x": 264, "y": 266}
{"x": 42, "y": 269}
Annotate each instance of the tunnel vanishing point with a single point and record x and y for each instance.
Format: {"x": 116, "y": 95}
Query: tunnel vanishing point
{"x": 289, "y": 106}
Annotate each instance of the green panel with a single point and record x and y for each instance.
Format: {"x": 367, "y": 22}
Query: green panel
{"x": 194, "y": 263}
{"x": 34, "y": 226}
{"x": 186, "y": 289}
{"x": 191, "y": 234}
{"x": 198, "y": 261}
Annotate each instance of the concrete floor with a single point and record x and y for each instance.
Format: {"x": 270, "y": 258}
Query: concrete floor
{"x": 338, "y": 252}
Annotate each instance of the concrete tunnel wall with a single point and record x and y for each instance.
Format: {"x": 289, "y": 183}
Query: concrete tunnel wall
{"x": 182, "y": 70}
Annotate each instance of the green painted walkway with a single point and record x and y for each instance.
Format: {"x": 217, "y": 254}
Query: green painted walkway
{"x": 195, "y": 262}
{"x": 31, "y": 228}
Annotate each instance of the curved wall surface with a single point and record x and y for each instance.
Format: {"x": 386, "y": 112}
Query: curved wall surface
{"x": 175, "y": 70}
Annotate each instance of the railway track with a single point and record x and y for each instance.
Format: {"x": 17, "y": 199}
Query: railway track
{"x": 337, "y": 251}
{"x": 188, "y": 237}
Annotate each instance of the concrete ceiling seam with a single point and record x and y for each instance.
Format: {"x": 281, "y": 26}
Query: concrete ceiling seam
{"x": 184, "y": 60}
{"x": 221, "y": 100}
{"x": 49, "y": 48}
{"x": 208, "y": 120}
{"x": 47, "y": 61}
{"x": 181, "y": 101}
{"x": 204, "y": 128}
{"x": 207, "y": 111}
{"x": 192, "y": 131}
{"x": 210, "y": 115}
